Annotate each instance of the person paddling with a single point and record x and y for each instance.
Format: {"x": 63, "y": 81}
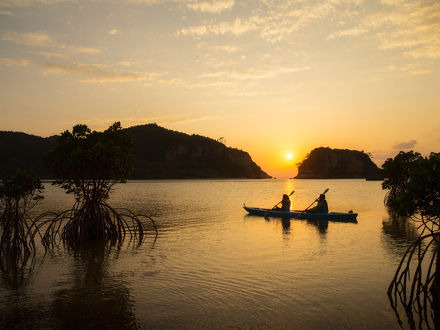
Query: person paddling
{"x": 285, "y": 204}
{"x": 321, "y": 207}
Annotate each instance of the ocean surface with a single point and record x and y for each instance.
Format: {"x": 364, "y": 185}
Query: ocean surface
{"x": 214, "y": 267}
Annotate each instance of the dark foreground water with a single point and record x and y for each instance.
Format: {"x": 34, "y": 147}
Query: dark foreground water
{"x": 212, "y": 266}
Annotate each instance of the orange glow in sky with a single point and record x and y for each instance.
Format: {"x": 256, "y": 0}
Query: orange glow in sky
{"x": 271, "y": 77}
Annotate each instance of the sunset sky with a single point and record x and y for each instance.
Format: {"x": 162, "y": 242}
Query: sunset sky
{"x": 270, "y": 77}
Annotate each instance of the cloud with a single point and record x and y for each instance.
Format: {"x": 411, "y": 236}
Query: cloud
{"x": 273, "y": 21}
{"x": 281, "y": 21}
{"x": 204, "y": 6}
{"x": 32, "y": 39}
{"x": 89, "y": 73}
{"x": 95, "y": 73}
{"x": 410, "y": 26}
{"x": 14, "y": 62}
{"x": 214, "y": 6}
{"x": 127, "y": 63}
{"x": 6, "y": 13}
{"x": 83, "y": 50}
{"x": 150, "y": 2}
{"x": 226, "y": 48}
{"x": 427, "y": 51}
{"x": 236, "y": 27}
{"x": 405, "y": 145}
{"x": 26, "y": 3}
{"x": 349, "y": 32}
{"x": 217, "y": 47}
{"x": 252, "y": 74}
{"x": 412, "y": 68}
{"x": 52, "y": 55}
{"x": 43, "y": 40}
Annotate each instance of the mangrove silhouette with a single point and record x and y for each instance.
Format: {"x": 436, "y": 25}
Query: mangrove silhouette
{"x": 19, "y": 193}
{"x": 413, "y": 188}
{"x": 88, "y": 164}
{"x": 158, "y": 153}
{"x": 327, "y": 163}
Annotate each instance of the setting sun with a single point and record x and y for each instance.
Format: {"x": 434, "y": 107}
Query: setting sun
{"x": 289, "y": 156}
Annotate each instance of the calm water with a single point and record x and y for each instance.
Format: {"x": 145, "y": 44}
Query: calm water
{"x": 212, "y": 266}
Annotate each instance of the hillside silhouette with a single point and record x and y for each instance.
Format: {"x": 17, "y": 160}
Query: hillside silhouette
{"x": 327, "y": 163}
{"x": 159, "y": 154}
{"x": 21, "y": 150}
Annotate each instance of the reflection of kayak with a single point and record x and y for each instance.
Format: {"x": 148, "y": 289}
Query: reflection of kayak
{"x": 331, "y": 216}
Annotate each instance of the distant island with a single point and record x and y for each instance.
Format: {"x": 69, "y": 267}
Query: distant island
{"x": 327, "y": 163}
{"x": 159, "y": 154}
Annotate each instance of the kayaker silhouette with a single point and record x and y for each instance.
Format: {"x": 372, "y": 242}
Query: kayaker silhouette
{"x": 285, "y": 204}
{"x": 321, "y": 207}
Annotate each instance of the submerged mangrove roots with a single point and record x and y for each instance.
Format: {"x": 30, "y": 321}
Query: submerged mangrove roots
{"x": 416, "y": 283}
{"x": 17, "y": 236}
{"x": 19, "y": 193}
{"x": 17, "y": 247}
{"x": 92, "y": 221}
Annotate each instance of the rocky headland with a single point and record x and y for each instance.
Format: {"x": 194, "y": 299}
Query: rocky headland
{"x": 327, "y": 163}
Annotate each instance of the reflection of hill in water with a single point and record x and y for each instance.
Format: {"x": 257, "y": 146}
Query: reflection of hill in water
{"x": 96, "y": 299}
{"x": 398, "y": 234}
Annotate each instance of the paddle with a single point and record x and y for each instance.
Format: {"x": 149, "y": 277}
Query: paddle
{"x": 325, "y": 191}
{"x": 278, "y": 204}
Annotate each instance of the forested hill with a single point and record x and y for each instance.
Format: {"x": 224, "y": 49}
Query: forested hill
{"x": 327, "y": 163}
{"x": 21, "y": 150}
{"x": 159, "y": 154}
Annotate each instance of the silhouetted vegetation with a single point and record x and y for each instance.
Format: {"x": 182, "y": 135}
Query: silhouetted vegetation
{"x": 159, "y": 153}
{"x": 397, "y": 174}
{"x": 162, "y": 154}
{"x": 24, "y": 151}
{"x": 414, "y": 191}
{"x": 327, "y": 163}
{"x": 19, "y": 192}
{"x": 87, "y": 164}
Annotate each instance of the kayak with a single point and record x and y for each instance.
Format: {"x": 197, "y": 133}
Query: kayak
{"x": 331, "y": 216}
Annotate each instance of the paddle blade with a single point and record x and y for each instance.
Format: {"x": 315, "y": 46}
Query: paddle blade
{"x": 292, "y": 193}
{"x": 325, "y": 191}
